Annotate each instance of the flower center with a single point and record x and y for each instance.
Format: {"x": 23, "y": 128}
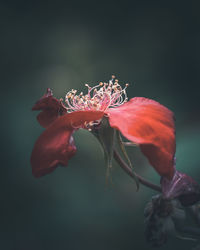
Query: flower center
{"x": 99, "y": 98}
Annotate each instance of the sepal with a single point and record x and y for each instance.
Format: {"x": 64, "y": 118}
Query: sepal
{"x": 106, "y": 136}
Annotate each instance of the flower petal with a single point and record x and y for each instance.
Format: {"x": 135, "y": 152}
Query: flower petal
{"x": 51, "y": 109}
{"x": 151, "y": 126}
{"x": 56, "y": 145}
{"x": 181, "y": 186}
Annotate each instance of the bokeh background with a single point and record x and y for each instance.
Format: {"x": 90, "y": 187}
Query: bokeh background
{"x": 153, "y": 45}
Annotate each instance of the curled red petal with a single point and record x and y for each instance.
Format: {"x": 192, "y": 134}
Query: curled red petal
{"x": 150, "y": 125}
{"x": 181, "y": 187}
{"x": 56, "y": 145}
{"x": 51, "y": 108}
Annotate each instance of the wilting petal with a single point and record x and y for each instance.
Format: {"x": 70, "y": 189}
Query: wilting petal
{"x": 55, "y": 145}
{"x": 51, "y": 109}
{"x": 151, "y": 126}
{"x": 181, "y": 186}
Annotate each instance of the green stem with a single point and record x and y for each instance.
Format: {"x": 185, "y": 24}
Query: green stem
{"x": 129, "y": 171}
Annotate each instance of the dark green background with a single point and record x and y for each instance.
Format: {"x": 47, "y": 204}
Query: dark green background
{"x": 153, "y": 45}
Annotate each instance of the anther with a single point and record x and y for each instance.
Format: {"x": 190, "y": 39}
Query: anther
{"x": 99, "y": 97}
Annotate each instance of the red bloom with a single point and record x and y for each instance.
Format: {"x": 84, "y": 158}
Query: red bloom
{"x": 141, "y": 120}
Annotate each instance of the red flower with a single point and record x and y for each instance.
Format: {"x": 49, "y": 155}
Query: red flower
{"x": 142, "y": 121}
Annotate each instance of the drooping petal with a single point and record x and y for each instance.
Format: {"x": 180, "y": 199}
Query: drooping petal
{"x": 51, "y": 109}
{"x": 56, "y": 145}
{"x": 151, "y": 126}
{"x": 181, "y": 187}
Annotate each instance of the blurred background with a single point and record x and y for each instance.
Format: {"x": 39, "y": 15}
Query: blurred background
{"x": 152, "y": 45}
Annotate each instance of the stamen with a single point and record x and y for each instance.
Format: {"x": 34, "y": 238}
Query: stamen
{"x": 100, "y": 97}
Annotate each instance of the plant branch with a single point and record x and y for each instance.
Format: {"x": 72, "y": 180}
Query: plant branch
{"x": 129, "y": 171}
